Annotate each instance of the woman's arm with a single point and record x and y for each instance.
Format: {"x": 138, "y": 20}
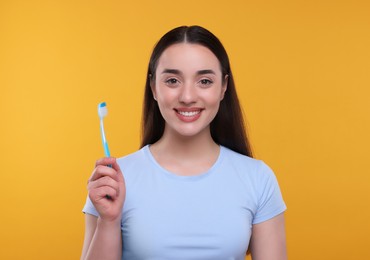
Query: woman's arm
{"x": 268, "y": 240}
{"x": 107, "y": 192}
{"x": 90, "y": 226}
{"x": 103, "y": 239}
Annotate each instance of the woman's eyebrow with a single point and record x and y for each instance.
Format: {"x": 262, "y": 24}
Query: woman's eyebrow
{"x": 171, "y": 71}
{"x": 178, "y": 72}
{"x": 202, "y": 72}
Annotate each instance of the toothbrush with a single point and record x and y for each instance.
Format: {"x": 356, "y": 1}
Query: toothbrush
{"x": 102, "y": 112}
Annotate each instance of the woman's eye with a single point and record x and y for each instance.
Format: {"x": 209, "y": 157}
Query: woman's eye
{"x": 172, "y": 81}
{"x": 206, "y": 82}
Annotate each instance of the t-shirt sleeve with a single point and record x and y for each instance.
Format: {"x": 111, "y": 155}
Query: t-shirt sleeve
{"x": 270, "y": 200}
{"x": 89, "y": 208}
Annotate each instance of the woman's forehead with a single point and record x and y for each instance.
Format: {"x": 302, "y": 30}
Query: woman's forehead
{"x": 188, "y": 57}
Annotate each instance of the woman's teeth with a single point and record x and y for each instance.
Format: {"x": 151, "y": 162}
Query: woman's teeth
{"x": 185, "y": 113}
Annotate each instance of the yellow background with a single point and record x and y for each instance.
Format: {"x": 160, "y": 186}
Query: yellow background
{"x": 302, "y": 72}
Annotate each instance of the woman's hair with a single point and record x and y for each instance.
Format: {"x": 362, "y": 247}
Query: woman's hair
{"x": 227, "y": 128}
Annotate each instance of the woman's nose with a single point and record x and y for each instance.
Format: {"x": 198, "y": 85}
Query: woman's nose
{"x": 188, "y": 94}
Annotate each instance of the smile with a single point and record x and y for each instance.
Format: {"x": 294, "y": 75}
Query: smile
{"x": 188, "y": 113}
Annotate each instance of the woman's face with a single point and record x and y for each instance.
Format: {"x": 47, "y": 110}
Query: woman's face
{"x": 188, "y": 88}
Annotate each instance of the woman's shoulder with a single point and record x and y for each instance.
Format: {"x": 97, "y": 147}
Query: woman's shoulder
{"x": 134, "y": 157}
{"x": 236, "y": 157}
{"x": 247, "y": 166}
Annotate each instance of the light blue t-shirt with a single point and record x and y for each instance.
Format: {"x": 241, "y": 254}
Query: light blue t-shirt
{"x": 207, "y": 216}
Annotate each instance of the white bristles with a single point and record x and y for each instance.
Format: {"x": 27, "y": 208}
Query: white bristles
{"x": 102, "y": 110}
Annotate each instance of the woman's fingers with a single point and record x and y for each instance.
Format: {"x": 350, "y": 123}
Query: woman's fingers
{"x": 101, "y": 171}
{"x": 105, "y": 181}
{"x": 105, "y": 161}
{"x": 102, "y": 193}
{"x": 119, "y": 176}
{"x": 103, "y": 168}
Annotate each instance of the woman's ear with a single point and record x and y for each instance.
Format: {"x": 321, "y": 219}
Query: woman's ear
{"x": 224, "y": 86}
{"x": 152, "y": 86}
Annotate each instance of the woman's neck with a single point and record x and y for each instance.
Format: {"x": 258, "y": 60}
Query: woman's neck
{"x": 184, "y": 155}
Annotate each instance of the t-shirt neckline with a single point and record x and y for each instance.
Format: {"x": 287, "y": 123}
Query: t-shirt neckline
{"x": 182, "y": 177}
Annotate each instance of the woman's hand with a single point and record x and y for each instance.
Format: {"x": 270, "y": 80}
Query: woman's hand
{"x": 107, "y": 189}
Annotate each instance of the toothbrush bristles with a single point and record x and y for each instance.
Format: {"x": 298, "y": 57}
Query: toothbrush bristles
{"x": 102, "y": 109}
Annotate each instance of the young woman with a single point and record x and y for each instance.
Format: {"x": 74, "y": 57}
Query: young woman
{"x": 193, "y": 190}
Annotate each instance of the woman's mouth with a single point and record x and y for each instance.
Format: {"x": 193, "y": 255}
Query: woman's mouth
{"x": 188, "y": 115}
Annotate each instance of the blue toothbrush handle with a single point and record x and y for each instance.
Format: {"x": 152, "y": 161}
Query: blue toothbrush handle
{"x": 106, "y": 149}
{"x": 104, "y": 140}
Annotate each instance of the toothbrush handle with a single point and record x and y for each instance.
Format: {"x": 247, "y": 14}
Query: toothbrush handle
{"x": 107, "y": 154}
{"x": 105, "y": 143}
{"x": 106, "y": 149}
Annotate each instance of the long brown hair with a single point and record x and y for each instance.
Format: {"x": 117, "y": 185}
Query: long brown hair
{"x": 227, "y": 128}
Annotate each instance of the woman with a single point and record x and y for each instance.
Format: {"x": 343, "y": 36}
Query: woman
{"x": 192, "y": 191}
